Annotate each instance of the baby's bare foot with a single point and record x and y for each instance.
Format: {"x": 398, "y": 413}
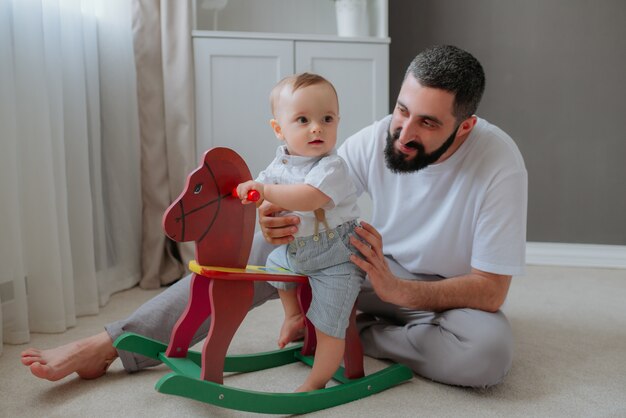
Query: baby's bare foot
{"x": 89, "y": 358}
{"x": 292, "y": 330}
{"x": 308, "y": 387}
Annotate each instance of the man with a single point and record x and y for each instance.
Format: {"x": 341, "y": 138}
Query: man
{"x": 449, "y": 194}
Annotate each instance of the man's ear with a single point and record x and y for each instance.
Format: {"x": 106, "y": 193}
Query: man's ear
{"x": 467, "y": 125}
{"x": 276, "y": 128}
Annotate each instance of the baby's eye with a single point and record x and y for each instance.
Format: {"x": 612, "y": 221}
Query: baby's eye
{"x": 328, "y": 119}
{"x": 302, "y": 119}
{"x": 197, "y": 189}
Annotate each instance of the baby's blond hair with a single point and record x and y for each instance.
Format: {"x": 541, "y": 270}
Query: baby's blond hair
{"x": 297, "y": 81}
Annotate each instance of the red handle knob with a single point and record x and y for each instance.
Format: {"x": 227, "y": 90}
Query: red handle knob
{"x": 253, "y": 195}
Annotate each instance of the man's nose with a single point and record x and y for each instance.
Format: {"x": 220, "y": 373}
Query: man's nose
{"x": 316, "y": 128}
{"x": 407, "y": 134}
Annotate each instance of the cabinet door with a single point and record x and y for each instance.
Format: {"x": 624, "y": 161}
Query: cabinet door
{"x": 359, "y": 72}
{"x": 233, "y": 79}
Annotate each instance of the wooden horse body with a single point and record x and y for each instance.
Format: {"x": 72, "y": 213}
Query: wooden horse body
{"x": 222, "y": 228}
{"x": 222, "y": 286}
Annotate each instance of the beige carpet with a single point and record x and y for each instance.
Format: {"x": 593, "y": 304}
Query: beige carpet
{"x": 570, "y": 361}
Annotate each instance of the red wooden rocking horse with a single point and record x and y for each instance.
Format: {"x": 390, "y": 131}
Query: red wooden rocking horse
{"x": 222, "y": 286}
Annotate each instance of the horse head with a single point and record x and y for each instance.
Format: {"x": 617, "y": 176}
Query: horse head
{"x": 207, "y": 213}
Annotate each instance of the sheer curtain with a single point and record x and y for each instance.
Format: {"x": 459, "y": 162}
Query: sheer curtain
{"x": 70, "y": 198}
{"x": 164, "y": 63}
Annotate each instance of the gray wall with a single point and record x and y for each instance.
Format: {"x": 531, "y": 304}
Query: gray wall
{"x": 556, "y": 82}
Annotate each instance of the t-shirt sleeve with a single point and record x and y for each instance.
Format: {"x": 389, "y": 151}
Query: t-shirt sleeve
{"x": 262, "y": 177}
{"x": 500, "y": 240}
{"x": 331, "y": 177}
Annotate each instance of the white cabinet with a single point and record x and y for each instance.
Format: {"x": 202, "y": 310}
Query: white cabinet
{"x": 359, "y": 72}
{"x": 233, "y": 78}
{"x": 234, "y": 73}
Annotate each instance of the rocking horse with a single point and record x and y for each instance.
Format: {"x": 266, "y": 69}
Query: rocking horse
{"x": 222, "y": 286}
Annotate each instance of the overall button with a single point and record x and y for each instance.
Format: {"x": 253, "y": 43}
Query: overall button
{"x": 284, "y": 161}
{"x": 331, "y": 235}
{"x": 316, "y": 238}
{"x": 301, "y": 243}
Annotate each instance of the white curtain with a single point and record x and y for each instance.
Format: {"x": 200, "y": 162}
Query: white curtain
{"x": 164, "y": 63}
{"x": 70, "y": 199}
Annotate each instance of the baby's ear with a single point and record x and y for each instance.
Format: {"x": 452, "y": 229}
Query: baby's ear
{"x": 276, "y": 128}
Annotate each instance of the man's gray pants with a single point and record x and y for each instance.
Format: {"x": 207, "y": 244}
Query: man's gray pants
{"x": 465, "y": 347}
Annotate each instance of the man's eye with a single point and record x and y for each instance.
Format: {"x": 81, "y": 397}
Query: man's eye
{"x": 328, "y": 119}
{"x": 302, "y": 119}
{"x": 197, "y": 189}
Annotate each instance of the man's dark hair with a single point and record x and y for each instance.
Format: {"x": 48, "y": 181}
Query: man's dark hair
{"x": 450, "y": 68}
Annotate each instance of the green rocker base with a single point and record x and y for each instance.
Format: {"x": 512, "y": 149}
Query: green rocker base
{"x": 185, "y": 380}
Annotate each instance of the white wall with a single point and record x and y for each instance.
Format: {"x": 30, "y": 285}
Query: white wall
{"x": 283, "y": 16}
{"x": 288, "y": 16}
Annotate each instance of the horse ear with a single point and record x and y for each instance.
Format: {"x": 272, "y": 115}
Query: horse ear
{"x": 207, "y": 156}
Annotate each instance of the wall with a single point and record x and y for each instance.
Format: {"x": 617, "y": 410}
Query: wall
{"x": 283, "y": 16}
{"x": 286, "y": 16}
{"x": 556, "y": 82}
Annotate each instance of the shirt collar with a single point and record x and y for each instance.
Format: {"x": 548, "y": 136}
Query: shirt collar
{"x": 297, "y": 160}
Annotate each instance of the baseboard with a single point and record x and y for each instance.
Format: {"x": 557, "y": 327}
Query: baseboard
{"x": 576, "y": 255}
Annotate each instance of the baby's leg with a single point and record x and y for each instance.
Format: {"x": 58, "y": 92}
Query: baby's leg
{"x": 293, "y": 326}
{"x": 328, "y": 355}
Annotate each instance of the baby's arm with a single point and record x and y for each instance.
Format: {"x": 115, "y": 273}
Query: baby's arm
{"x": 292, "y": 197}
{"x": 300, "y": 197}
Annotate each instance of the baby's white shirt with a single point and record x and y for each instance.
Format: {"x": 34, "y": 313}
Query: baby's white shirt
{"x": 329, "y": 174}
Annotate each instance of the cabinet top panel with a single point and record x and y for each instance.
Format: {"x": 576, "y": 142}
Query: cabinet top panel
{"x": 286, "y": 36}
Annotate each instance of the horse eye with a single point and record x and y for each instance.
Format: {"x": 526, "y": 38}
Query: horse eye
{"x": 198, "y": 188}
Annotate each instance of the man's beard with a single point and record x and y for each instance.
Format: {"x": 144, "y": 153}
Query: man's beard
{"x": 397, "y": 162}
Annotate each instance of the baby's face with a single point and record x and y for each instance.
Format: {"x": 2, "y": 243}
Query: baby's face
{"x": 308, "y": 120}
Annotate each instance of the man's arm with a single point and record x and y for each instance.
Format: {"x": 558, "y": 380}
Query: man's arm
{"x": 477, "y": 290}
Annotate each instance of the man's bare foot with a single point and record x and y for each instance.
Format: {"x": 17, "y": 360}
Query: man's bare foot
{"x": 292, "y": 330}
{"x": 89, "y": 357}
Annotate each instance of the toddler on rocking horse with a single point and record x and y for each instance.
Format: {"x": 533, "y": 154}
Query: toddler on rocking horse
{"x": 308, "y": 178}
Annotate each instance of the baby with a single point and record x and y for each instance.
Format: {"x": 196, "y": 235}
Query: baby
{"x": 308, "y": 178}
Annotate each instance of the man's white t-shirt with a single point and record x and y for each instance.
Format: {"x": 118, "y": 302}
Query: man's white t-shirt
{"x": 468, "y": 211}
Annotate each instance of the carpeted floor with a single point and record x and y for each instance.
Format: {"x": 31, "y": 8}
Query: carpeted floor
{"x": 570, "y": 361}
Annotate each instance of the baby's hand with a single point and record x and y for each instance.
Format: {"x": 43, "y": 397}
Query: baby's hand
{"x": 246, "y": 192}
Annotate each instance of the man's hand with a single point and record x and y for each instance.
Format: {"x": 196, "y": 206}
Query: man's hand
{"x": 476, "y": 290}
{"x": 373, "y": 262}
{"x": 277, "y": 230}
